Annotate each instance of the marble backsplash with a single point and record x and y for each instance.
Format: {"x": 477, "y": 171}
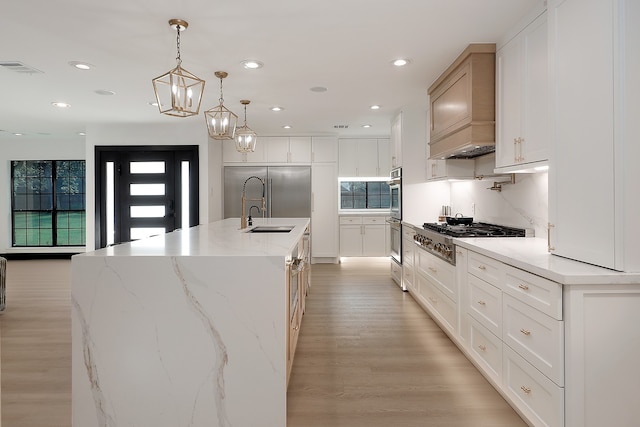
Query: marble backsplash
{"x": 523, "y": 204}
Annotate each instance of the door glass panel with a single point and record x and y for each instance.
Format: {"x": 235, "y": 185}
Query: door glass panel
{"x": 110, "y": 203}
{"x": 147, "y": 167}
{"x": 142, "y": 232}
{"x": 184, "y": 178}
{"x": 148, "y": 211}
{"x": 147, "y": 189}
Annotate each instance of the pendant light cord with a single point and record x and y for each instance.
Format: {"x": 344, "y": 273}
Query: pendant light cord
{"x": 178, "y": 59}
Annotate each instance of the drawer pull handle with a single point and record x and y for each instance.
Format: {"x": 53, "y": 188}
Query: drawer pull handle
{"x": 525, "y": 331}
{"x": 526, "y": 390}
{"x": 523, "y": 287}
{"x": 482, "y": 302}
{"x": 482, "y": 347}
{"x": 482, "y": 267}
{"x": 433, "y": 300}
{"x": 433, "y": 270}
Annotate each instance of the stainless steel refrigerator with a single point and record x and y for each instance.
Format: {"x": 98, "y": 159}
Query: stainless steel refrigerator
{"x": 287, "y": 190}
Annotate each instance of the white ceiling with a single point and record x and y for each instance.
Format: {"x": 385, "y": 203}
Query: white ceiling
{"x": 343, "y": 45}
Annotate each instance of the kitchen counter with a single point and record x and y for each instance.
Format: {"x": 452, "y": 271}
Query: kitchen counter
{"x": 187, "y": 328}
{"x": 530, "y": 254}
{"x": 222, "y": 238}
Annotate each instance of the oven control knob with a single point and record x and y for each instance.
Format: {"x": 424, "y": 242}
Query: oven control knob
{"x": 429, "y": 242}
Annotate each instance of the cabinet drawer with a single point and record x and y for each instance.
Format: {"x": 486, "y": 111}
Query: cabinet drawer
{"x": 535, "y": 336}
{"x": 407, "y": 275}
{"x": 443, "y": 308}
{"x": 350, "y": 220}
{"x": 487, "y": 269}
{"x": 408, "y": 232}
{"x": 535, "y": 395}
{"x": 373, "y": 220}
{"x": 408, "y": 249}
{"x": 486, "y": 349}
{"x": 540, "y": 293}
{"x": 438, "y": 271}
{"x": 485, "y": 304}
{"x": 396, "y": 273}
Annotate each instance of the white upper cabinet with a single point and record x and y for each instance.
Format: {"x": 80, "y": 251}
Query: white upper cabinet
{"x": 522, "y": 136}
{"x": 384, "y": 157}
{"x": 363, "y": 157}
{"x": 324, "y": 149}
{"x": 270, "y": 150}
{"x": 593, "y": 178}
{"x": 450, "y": 169}
{"x": 231, "y": 155}
{"x": 396, "y": 141}
{"x": 287, "y": 149}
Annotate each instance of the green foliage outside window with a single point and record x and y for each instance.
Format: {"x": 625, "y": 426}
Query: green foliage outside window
{"x": 48, "y": 202}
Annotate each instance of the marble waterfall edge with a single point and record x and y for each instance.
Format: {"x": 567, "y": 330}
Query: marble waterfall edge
{"x": 178, "y": 341}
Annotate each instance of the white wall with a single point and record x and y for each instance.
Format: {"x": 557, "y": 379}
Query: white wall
{"x": 422, "y": 202}
{"x": 37, "y": 148}
{"x": 182, "y": 132}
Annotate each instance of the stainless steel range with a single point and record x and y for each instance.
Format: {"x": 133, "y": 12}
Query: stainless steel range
{"x": 437, "y": 239}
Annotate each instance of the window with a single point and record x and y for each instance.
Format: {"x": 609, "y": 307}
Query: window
{"x": 364, "y": 195}
{"x": 48, "y": 203}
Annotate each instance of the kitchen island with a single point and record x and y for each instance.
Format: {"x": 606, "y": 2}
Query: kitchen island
{"x": 190, "y": 328}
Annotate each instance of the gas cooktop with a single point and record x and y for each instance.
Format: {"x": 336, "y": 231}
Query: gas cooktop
{"x": 476, "y": 229}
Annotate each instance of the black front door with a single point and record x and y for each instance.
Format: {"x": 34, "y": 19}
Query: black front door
{"x": 144, "y": 191}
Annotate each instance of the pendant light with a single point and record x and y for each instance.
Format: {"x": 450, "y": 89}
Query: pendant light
{"x": 178, "y": 92}
{"x": 221, "y": 123}
{"x": 245, "y": 137}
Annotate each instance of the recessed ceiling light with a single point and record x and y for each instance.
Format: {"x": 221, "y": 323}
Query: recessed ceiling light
{"x": 276, "y": 108}
{"x": 318, "y": 89}
{"x": 105, "y": 92}
{"x": 18, "y": 134}
{"x": 400, "y": 62}
{"x": 61, "y": 104}
{"x": 153, "y": 103}
{"x": 82, "y": 133}
{"x": 366, "y": 126}
{"x": 81, "y": 65}
{"x": 287, "y": 126}
{"x": 252, "y": 64}
{"x": 375, "y": 107}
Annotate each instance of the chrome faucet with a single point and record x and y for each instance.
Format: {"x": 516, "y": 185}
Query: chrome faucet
{"x": 262, "y": 200}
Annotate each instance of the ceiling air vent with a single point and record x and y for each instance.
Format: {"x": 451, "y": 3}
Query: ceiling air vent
{"x": 19, "y": 67}
{"x": 341, "y": 126}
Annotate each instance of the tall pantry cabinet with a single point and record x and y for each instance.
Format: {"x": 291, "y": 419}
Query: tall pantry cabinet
{"x": 595, "y": 104}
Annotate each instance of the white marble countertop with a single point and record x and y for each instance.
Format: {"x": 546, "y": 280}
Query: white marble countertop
{"x": 530, "y": 254}
{"x": 360, "y": 212}
{"x": 221, "y": 238}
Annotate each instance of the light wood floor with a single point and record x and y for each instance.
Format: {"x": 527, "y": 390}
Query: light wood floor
{"x": 367, "y": 355}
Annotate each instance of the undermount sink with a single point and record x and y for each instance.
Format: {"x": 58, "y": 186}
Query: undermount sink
{"x": 271, "y": 229}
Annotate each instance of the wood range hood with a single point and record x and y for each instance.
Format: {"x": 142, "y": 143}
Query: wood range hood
{"x": 462, "y": 104}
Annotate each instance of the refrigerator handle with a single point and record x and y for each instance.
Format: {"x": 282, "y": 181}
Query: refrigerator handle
{"x": 270, "y": 197}
{"x": 313, "y": 199}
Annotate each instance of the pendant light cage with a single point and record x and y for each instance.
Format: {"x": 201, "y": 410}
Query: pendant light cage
{"x": 221, "y": 122}
{"x": 178, "y": 92}
{"x": 245, "y": 137}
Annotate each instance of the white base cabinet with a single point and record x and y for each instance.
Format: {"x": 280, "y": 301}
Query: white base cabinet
{"x": 363, "y": 236}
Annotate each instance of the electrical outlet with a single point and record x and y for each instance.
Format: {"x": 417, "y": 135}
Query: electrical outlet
{"x": 473, "y": 209}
